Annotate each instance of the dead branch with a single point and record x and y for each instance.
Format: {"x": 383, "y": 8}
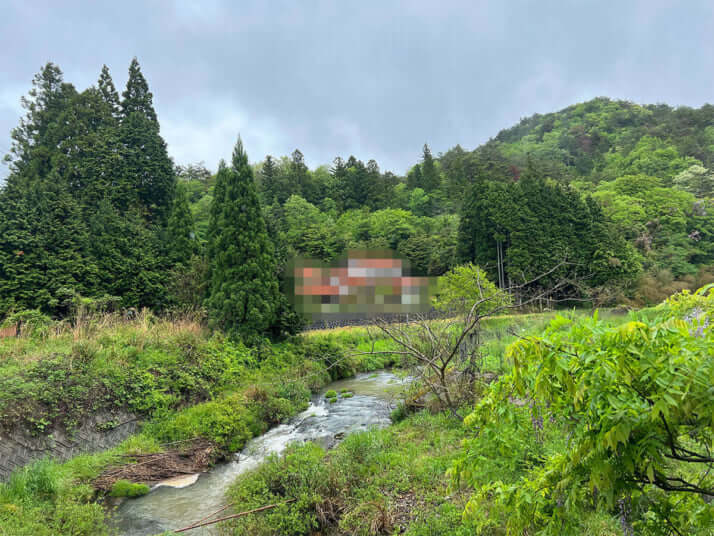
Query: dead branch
{"x": 233, "y": 516}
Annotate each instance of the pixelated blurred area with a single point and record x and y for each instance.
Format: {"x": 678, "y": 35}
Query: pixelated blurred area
{"x": 362, "y": 284}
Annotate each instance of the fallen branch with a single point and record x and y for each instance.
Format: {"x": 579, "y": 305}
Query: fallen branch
{"x": 241, "y": 514}
{"x": 209, "y": 516}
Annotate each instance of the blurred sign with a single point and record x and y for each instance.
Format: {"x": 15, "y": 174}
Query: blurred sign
{"x": 362, "y": 284}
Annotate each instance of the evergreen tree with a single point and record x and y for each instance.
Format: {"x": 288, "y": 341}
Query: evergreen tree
{"x": 268, "y": 183}
{"x": 243, "y": 289}
{"x": 36, "y": 138}
{"x": 108, "y": 91}
{"x": 149, "y": 178}
{"x": 414, "y": 178}
{"x": 137, "y": 98}
{"x": 180, "y": 232}
{"x": 127, "y": 257}
{"x": 299, "y": 176}
{"x": 430, "y": 175}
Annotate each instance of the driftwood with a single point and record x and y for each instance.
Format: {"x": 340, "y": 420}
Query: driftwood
{"x": 194, "y": 457}
{"x": 233, "y": 516}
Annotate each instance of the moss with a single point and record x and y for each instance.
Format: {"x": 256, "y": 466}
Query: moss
{"x": 346, "y": 395}
{"x": 124, "y": 488}
{"x": 331, "y": 394}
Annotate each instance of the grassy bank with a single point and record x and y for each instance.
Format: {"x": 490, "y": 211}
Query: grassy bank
{"x": 396, "y": 480}
{"x": 376, "y": 482}
{"x": 187, "y": 383}
{"x": 184, "y": 382}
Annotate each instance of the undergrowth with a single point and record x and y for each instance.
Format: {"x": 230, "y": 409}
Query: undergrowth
{"x": 183, "y": 381}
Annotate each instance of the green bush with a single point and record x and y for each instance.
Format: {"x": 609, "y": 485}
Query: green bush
{"x": 124, "y": 488}
{"x": 346, "y": 395}
{"x": 300, "y": 474}
{"x": 227, "y": 422}
{"x": 331, "y": 394}
{"x": 32, "y": 322}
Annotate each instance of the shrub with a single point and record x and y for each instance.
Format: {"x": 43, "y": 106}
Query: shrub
{"x": 330, "y": 394}
{"x": 32, "y": 322}
{"x": 227, "y": 422}
{"x": 300, "y": 474}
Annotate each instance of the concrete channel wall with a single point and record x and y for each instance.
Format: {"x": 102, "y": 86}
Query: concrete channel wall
{"x": 98, "y": 432}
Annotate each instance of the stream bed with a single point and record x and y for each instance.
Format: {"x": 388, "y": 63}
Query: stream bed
{"x": 184, "y": 500}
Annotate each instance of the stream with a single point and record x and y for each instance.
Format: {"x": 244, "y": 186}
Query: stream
{"x": 182, "y": 501}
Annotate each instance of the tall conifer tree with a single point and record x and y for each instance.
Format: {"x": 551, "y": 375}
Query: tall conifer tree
{"x": 243, "y": 290}
{"x": 149, "y": 177}
{"x": 137, "y": 97}
{"x": 181, "y": 235}
{"x": 269, "y": 180}
{"x": 108, "y": 91}
{"x": 430, "y": 176}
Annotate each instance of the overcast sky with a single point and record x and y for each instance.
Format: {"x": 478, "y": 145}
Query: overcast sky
{"x": 375, "y": 79}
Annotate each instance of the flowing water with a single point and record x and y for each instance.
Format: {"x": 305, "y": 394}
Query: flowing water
{"x": 185, "y": 500}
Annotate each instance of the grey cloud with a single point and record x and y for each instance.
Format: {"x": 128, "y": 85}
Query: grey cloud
{"x": 374, "y": 79}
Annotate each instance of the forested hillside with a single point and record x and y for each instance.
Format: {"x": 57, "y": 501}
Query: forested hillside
{"x": 618, "y": 192}
{"x": 612, "y": 197}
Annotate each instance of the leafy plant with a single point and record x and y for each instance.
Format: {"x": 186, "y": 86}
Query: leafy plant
{"x": 636, "y": 403}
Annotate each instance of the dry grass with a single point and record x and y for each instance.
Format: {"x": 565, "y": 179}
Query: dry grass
{"x": 142, "y": 328}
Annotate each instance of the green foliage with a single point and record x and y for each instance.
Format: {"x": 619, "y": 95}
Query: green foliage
{"x": 368, "y": 480}
{"x": 635, "y": 403}
{"x": 181, "y": 235}
{"x": 466, "y": 286}
{"x": 243, "y": 290}
{"x": 539, "y": 233}
{"x": 38, "y": 500}
{"x": 226, "y": 422}
{"x": 88, "y": 194}
{"x": 331, "y": 394}
{"x": 181, "y": 381}
{"x": 31, "y": 323}
{"x": 696, "y": 180}
{"x": 124, "y": 488}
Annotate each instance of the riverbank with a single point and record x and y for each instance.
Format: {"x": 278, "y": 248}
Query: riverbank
{"x": 181, "y": 381}
{"x": 388, "y": 481}
{"x": 360, "y": 403}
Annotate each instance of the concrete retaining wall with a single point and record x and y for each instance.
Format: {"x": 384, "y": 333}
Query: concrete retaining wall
{"x": 98, "y": 432}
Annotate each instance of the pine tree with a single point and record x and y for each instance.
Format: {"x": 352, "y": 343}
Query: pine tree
{"x": 430, "y": 176}
{"x": 299, "y": 176}
{"x": 181, "y": 235}
{"x": 243, "y": 289}
{"x": 414, "y": 178}
{"x": 127, "y": 257}
{"x": 137, "y": 98}
{"x": 43, "y": 250}
{"x": 149, "y": 178}
{"x": 105, "y": 84}
{"x": 35, "y": 140}
{"x": 269, "y": 180}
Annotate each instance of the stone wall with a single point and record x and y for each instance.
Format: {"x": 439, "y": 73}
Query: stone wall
{"x": 98, "y": 432}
